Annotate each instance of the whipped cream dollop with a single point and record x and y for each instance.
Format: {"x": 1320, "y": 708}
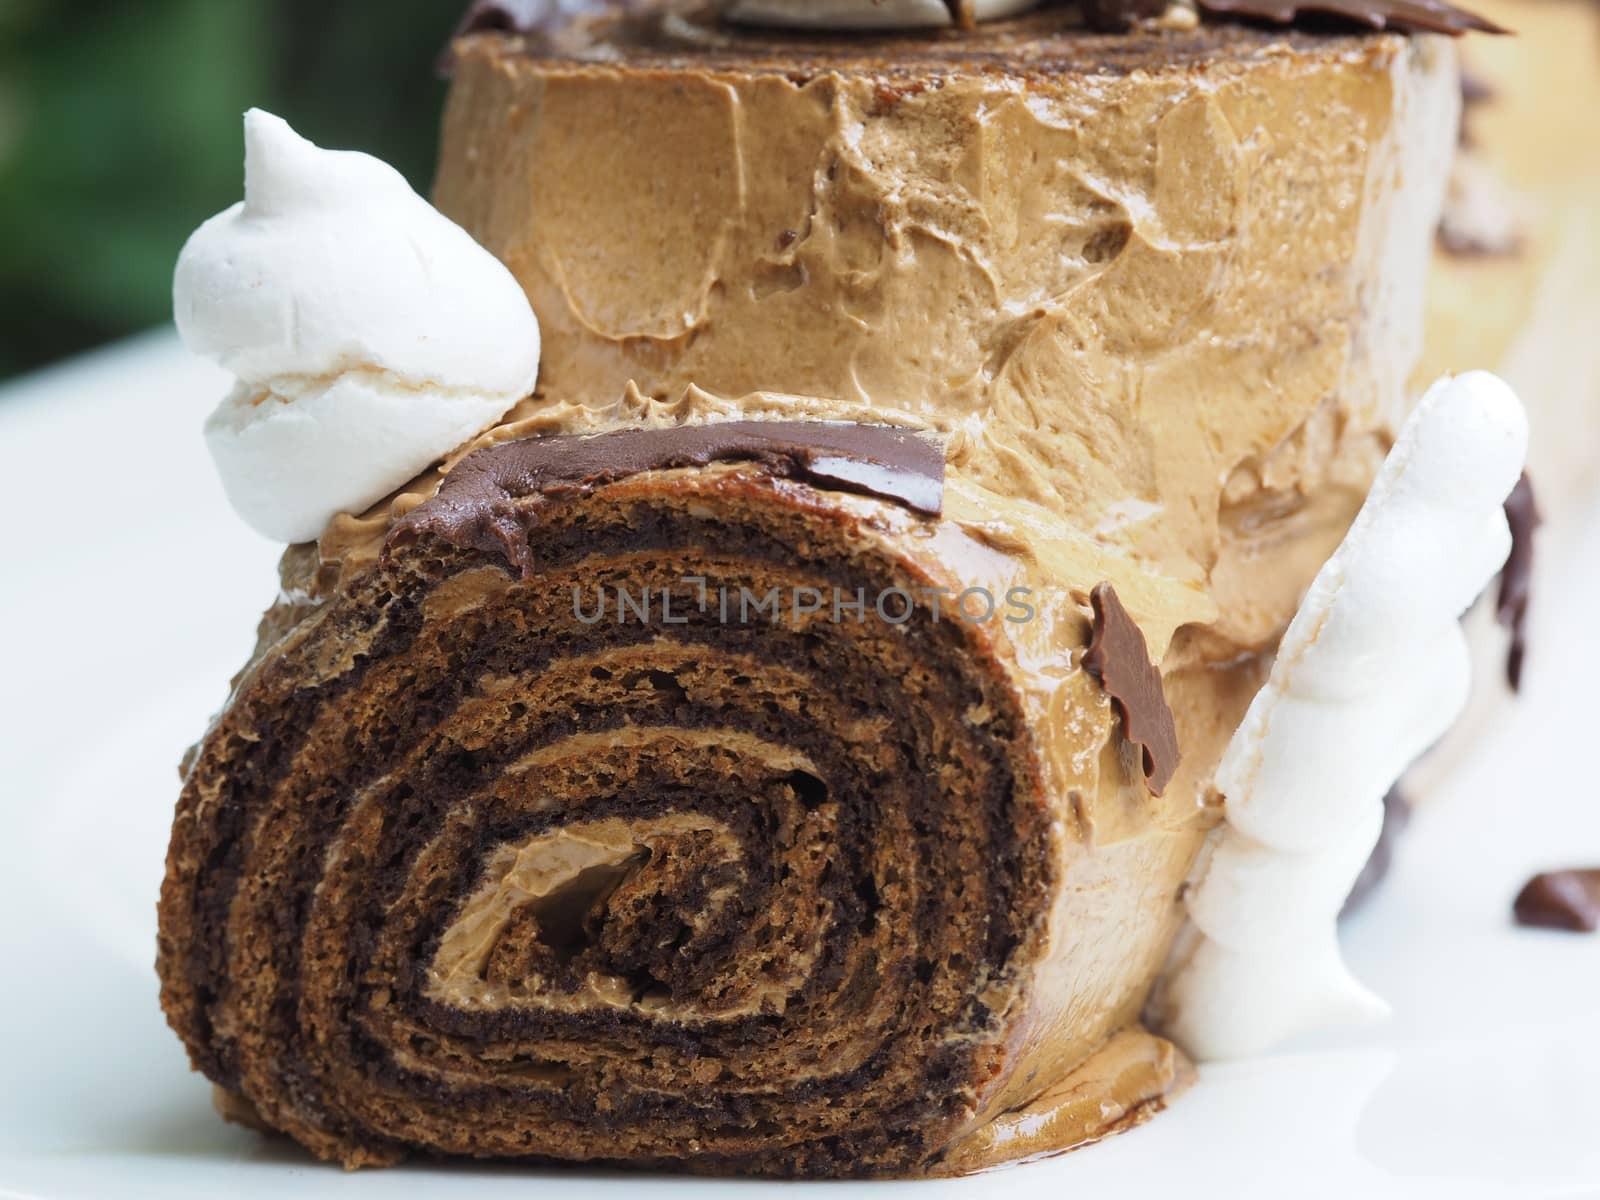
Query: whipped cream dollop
{"x": 867, "y": 14}
{"x": 1373, "y": 669}
{"x": 370, "y": 335}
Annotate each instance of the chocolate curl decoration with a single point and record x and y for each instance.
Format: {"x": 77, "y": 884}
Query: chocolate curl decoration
{"x": 1118, "y": 658}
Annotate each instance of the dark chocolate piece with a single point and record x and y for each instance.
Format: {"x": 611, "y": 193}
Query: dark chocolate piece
{"x": 1396, "y": 816}
{"x": 1516, "y": 577}
{"x": 1402, "y": 16}
{"x": 1561, "y": 900}
{"x": 491, "y": 499}
{"x": 1118, "y": 658}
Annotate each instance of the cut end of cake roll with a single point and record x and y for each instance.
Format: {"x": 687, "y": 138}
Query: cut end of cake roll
{"x": 479, "y": 862}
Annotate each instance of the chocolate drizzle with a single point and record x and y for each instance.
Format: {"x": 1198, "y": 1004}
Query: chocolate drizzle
{"x": 1118, "y": 658}
{"x": 491, "y": 500}
{"x": 1567, "y": 900}
{"x": 1516, "y": 577}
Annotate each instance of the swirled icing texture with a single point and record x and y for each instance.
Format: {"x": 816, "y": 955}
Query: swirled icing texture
{"x": 1170, "y": 311}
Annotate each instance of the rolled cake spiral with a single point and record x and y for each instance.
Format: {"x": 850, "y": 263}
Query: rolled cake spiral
{"x": 476, "y": 863}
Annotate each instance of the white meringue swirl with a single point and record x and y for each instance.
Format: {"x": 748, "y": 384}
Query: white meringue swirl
{"x": 369, "y": 334}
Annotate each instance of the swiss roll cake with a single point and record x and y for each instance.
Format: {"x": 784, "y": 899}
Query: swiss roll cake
{"x": 777, "y": 669}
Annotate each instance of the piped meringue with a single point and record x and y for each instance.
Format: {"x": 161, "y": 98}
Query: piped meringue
{"x": 369, "y": 334}
{"x": 1372, "y": 670}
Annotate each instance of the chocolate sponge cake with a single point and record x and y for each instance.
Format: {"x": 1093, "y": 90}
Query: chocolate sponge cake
{"x": 780, "y": 741}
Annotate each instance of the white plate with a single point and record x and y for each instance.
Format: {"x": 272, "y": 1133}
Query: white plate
{"x": 128, "y": 596}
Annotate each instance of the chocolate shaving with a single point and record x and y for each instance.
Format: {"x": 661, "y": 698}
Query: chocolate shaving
{"x": 1475, "y": 89}
{"x": 492, "y": 498}
{"x": 1402, "y": 16}
{"x": 1396, "y": 816}
{"x": 1561, "y": 900}
{"x": 1516, "y": 577}
{"x": 1118, "y": 658}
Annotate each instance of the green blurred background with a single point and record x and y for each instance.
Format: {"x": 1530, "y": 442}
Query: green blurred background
{"x": 120, "y": 132}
